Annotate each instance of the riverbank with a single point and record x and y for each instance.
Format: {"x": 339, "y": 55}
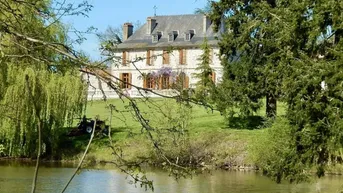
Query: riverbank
{"x": 209, "y": 141}
{"x": 225, "y": 149}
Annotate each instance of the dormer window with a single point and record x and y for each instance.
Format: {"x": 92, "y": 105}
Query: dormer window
{"x": 172, "y": 36}
{"x": 156, "y": 37}
{"x": 189, "y": 35}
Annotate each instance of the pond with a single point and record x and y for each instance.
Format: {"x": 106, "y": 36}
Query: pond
{"x": 17, "y": 178}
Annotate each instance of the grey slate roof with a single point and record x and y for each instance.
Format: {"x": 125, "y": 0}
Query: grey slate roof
{"x": 167, "y": 24}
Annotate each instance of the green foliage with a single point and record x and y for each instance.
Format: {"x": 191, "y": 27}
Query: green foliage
{"x": 174, "y": 115}
{"x": 205, "y": 84}
{"x": 274, "y": 152}
{"x": 58, "y": 98}
{"x": 172, "y": 121}
{"x": 38, "y": 85}
{"x": 193, "y": 137}
{"x": 2, "y": 150}
{"x": 250, "y": 122}
{"x": 251, "y": 56}
{"x": 292, "y": 51}
{"x": 315, "y": 111}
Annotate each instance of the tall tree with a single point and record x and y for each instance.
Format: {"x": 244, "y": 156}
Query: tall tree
{"x": 288, "y": 49}
{"x": 205, "y": 84}
{"x": 252, "y": 58}
{"x": 40, "y": 88}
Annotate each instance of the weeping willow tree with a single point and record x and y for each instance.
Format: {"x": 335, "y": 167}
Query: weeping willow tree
{"x": 55, "y": 97}
{"x": 39, "y": 87}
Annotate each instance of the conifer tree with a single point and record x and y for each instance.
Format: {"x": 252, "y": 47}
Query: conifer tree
{"x": 289, "y": 51}
{"x": 205, "y": 84}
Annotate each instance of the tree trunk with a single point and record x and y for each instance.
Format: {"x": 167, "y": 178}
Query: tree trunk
{"x": 270, "y": 106}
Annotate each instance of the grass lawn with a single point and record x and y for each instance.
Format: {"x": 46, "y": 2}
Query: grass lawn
{"x": 207, "y": 129}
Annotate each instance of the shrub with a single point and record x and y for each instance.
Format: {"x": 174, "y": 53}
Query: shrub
{"x": 275, "y": 153}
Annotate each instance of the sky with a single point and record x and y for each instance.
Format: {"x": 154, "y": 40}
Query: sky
{"x": 116, "y": 12}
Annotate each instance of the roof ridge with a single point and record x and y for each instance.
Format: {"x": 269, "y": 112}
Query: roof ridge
{"x": 176, "y": 15}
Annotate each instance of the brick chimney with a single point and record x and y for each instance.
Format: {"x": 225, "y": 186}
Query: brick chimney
{"x": 151, "y": 25}
{"x": 206, "y": 23}
{"x": 127, "y": 31}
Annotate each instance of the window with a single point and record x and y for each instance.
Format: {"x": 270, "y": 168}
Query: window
{"x": 150, "y": 57}
{"x": 125, "y": 57}
{"x": 192, "y": 32}
{"x": 126, "y": 78}
{"x": 154, "y": 38}
{"x": 149, "y": 81}
{"x": 165, "y": 57}
{"x": 172, "y": 36}
{"x": 183, "y": 56}
{"x": 165, "y": 81}
{"x": 182, "y": 80}
{"x": 187, "y": 37}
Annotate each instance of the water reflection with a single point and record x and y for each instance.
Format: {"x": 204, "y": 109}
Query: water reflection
{"x": 17, "y": 178}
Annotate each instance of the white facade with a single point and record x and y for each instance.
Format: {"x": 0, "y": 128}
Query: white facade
{"x": 161, "y": 55}
{"x": 97, "y": 88}
{"x": 140, "y": 57}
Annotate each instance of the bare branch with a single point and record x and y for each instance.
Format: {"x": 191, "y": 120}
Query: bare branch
{"x": 82, "y": 158}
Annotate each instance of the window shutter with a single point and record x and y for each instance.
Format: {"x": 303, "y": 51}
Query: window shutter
{"x": 170, "y": 82}
{"x": 124, "y": 59}
{"x": 180, "y": 56}
{"x": 165, "y": 57}
{"x": 145, "y": 78}
{"x": 186, "y": 83}
{"x": 148, "y": 58}
{"x": 184, "y": 52}
{"x": 211, "y": 56}
{"x": 130, "y": 81}
{"x": 152, "y": 58}
{"x": 121, "y": 78}
{"x": 160, "y": 83}
{"x": 168, "y": 58}
{"x": 154, "y": 84}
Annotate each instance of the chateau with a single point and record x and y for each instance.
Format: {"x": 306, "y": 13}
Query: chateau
{"x": 163, "y": 50}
